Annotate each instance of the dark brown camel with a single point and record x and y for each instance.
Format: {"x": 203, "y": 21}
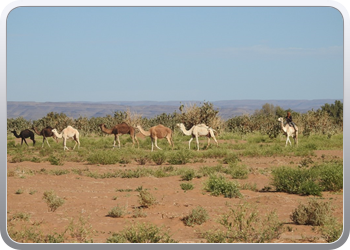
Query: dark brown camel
{"x": 120, "y": 129}
{"x": 24, "y": 134}
{"x": 45, "y": 132}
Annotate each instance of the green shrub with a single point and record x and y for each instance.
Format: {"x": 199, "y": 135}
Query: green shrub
{"x": 117, "y": 212}
{"x": 295, "y": 181}
{"x": 197, "y": 216}
{"x": 180, "y": 157}
{"x": 331, "y": 232}
{"x": 244, "y": 224}
{"x": 52, "y": 200}
{"x": 159, "y": 157}
{"x": 188, "y": 175}
{"x": 146, "y": 199}
{"x": 104, "y": 157}
{"x": 315, "y": 213}
{"x": 218, "y": 185}
{"x": 331, "y": 176}
{"x": 230, "y": 158}
{"x": 55, "y": 160}
{"x": 237, "y": 171}
{"x": 186, "y": 186}
{"x": 309, "y": 181}
{"x": 141, "y": 233}
{"x": 138, "y": 212}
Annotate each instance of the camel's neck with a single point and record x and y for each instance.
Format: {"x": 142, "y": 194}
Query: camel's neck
{"x": 59, "y": 136}
{"x": 283, "y": 127}
{"x": 106, "y": 130}
{"x": 36, "y": 131}
{"x": 145, "y": 133}
{"x": 15, "y": 134}
{"x": 186, "y": 132}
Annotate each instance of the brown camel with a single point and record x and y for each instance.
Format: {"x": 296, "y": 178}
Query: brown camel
{"x": 158, "y": 132}
{"x": 24, "y": 134}
{"x": 45, "y": 132}
{"x": 120, "y": 129}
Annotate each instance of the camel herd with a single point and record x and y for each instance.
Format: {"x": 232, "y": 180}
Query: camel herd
{"x": 155, "y": 133}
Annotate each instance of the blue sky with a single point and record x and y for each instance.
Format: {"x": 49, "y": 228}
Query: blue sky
{"x": 98, "y": 54}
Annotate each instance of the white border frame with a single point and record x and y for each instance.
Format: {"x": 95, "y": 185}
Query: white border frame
{"x": 224, "y": 3}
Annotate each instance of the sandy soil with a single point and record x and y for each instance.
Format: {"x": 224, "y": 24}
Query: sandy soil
{"x": 94, "y": 198}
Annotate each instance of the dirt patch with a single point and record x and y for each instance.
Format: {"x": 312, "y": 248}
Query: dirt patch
{"x": 93, "y": 198}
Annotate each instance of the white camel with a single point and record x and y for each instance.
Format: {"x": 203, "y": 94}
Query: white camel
{"x": 68, "y": 132}
{"x": 196, "y": 131}
{"x": 289, "y": 131}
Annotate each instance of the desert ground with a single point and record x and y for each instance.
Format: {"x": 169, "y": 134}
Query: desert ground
{"x": 88, "y": 200}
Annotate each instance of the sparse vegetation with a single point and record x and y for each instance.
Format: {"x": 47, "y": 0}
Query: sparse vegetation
{"x": 227, "y": 171}
{"x": 219, "y": 185}
{"x": 244, "y": 224}
{"x": 52, "y": 200}
{"x": 197, "y": 216}
{"x": 141, "y": 233}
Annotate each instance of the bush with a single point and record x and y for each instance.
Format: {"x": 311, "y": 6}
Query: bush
{"x": 314, "y": 213}
{"x": 324, "y": 177}
{"x": 237, "y": 171}
{"x": 186, "y": 186}
{"x": 158, "y": 157}
{"x": 146, "y": 199}
{"x": 117, "y": 212}
{"x": 243, "y": 224}
{"x": 188, "y": 175}
{"x": 197, "y": 216}
{"x": 103, "y": 157}
{"x": 295, "y": 181}
{"x": 52, "y": 200}
{"x": 180, "y": 157}
{"x": 141, "y": 233}
{"x": 217, "y": 185}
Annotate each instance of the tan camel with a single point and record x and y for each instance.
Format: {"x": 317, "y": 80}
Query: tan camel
{"x": 121, "y": 129}
{"x": 45, "y": 132}
{"x": 158, "y": 132}
{"x": 197, "y": 131}
{"x": 68, "y": 132}
{"x": 289, "y": 131}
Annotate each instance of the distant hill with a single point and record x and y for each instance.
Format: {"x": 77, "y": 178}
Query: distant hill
{"x": 227, "y": 108}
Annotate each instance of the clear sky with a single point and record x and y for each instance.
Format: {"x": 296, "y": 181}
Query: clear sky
{"x": 174, "y": 53}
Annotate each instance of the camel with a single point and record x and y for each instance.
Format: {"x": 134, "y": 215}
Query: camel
{"x": 68, "y": 132}
{"x": 289, "y": 131}
{"x": 24, "y": 134}
{"x": 196, "y": 131}
{"x": 121, "y": 129}
{"x": 158, "y": 132}
{"x": 45, "y": 132}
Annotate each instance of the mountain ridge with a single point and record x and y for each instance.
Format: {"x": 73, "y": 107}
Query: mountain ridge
{"x": 227, "y": 108}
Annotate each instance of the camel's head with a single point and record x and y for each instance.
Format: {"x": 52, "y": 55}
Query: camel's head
{"x": 179, "y": 125}
{"x": 102, "y": 125}
{"x": 280, "y": 119}
{"x": 54, "y": 131}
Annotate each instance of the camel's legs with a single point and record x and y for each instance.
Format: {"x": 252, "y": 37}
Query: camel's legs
{"x": 189, "y": 143}
{"x": 288, "y": 141}
{"x": 118, "y": 141}
{"x": 64, "y": 144}
{"x": 197, "y": 143}
{"x": 44, "y": 142}
{"x": 138, "y": 144}
{"x": 24, "y": 141}
{"x": 208, "y": 142}
{"x": 155, "y": 143}
{"x": 171, "y": 143}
